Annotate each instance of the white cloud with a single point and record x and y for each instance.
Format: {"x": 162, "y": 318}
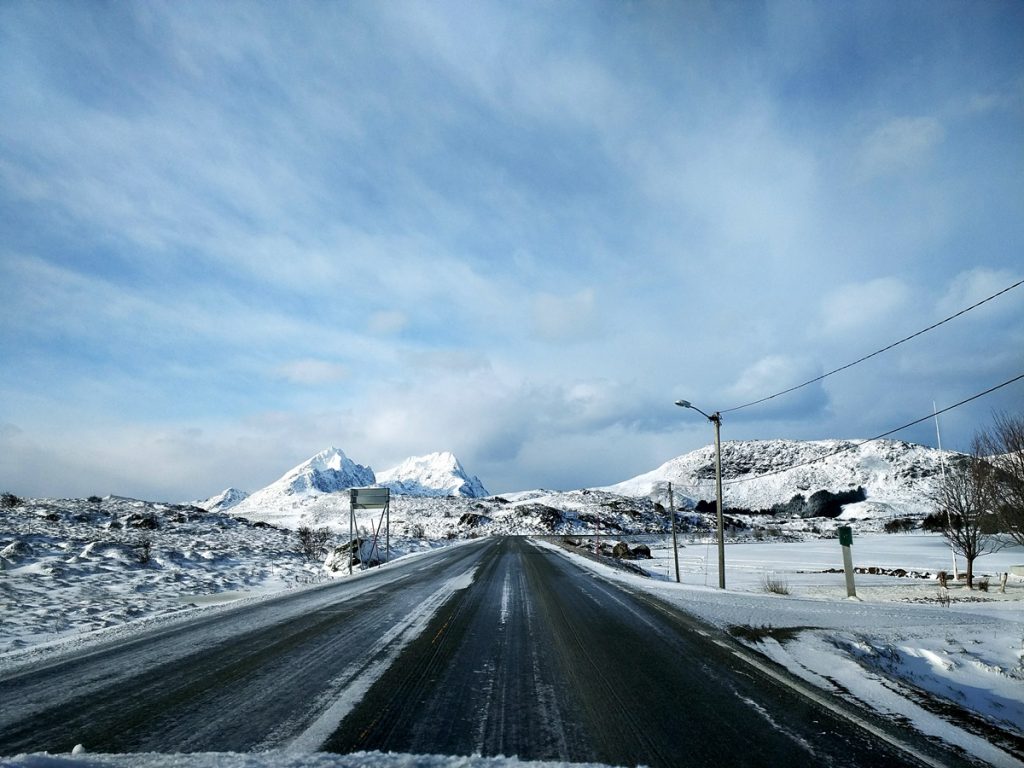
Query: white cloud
{"x": 899, "y": 144}
{"x": 528, "y": 236}
{"x": 311, "y": 371}
{"x": 859, "y": 307}
{"x": 973, "y": 285}
{"x": 387, "y": 323}
{"x": 772, "y": 374}
{"x": 565, "y": 318}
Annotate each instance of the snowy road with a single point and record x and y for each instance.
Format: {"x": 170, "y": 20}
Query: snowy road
{"x": 496, "y": 647}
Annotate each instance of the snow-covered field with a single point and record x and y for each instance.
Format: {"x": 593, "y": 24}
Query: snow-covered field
{"x": 70, "y": 567}
{"x": 954, "y": 670}
{"x": 951, "y": 662}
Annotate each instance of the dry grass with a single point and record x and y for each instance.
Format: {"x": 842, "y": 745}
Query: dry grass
{"x": 775, "y": 584}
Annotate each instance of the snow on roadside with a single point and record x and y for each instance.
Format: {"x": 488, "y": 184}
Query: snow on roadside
{"x": 278, "y": 760}
{"x": 72, "y": 571}
{"x": 885, "y": 650}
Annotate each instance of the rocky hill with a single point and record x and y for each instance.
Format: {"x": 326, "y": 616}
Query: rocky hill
{"x": 894, "y": 478}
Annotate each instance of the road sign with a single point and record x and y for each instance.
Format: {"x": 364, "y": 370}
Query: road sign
{"x": 369, "y": 498}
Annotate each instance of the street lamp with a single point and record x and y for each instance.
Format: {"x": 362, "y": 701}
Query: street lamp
{"x": 716, "y": 419}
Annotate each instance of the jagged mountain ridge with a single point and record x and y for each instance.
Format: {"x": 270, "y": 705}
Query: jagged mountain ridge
{"x": 897, "y": 476}
{"x": 329, "y": 471}
{"x": 436, "y": 474}
{"x": 317, "y": 483}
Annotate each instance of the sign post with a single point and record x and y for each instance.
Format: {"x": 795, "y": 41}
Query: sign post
{"x": 368, "y": 498}
{"x": 846, "y": 541}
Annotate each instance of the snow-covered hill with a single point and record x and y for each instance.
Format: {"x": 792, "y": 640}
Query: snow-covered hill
{"x": 223, "y": 501}
{"x": 896, "y": 476}
{"x": 436, "y": 474}
{"x": 329, "y": 472}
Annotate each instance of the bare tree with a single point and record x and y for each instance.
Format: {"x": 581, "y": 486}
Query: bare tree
{"x": 1003, "y": 444}
{"x": 964, "y": 498}
{"x": 313, "y": 543}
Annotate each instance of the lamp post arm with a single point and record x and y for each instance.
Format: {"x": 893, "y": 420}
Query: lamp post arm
{"x": 706, "y": 416}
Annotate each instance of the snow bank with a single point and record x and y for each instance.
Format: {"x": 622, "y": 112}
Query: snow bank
{"x": 276, "y": 760}
{"x": 955, "y": 673}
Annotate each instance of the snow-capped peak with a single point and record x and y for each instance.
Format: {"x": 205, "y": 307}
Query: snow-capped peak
{"x": 436, "y": 474}
{"x": 326, "y": 472}
{"x": 224, "y": 500}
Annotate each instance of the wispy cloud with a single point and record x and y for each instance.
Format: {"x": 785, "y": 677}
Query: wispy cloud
{"x": 899, "y": 144}
{"x": 235, "y": 234}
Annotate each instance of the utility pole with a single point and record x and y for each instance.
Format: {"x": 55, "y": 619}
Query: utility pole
{"x": 675, "y": 546}
{"x": 716, "y": 419}
{"x": 942, "y": 466}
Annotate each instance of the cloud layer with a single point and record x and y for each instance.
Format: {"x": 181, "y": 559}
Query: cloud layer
{"x": 235, "y": 235}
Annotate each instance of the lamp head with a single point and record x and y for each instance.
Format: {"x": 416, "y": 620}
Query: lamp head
{"x": 683, "y": 403}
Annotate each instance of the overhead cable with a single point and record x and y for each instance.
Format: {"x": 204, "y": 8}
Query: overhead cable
{"x": 877, "y": 352}
{"x": 853, "y": 446}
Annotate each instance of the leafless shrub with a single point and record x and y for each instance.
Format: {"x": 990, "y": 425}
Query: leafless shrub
{"x": 313, "y": 543}
{"x": 983, "y": 584}
{"x": 943, "y": 578}
{"x": 775, "y": 584}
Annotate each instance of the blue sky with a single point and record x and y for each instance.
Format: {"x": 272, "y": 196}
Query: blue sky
{"x": 237, "y": 233}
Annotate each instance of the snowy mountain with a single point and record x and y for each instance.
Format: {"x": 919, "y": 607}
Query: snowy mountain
{"x": 309, "y": 494}
{"x": 224, "y": 500}
{"x": 436, "y": 474}
{"x": 326, "y": 473}
{"x": 896, "y": 476}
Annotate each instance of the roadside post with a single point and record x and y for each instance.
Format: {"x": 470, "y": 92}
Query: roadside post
{"x": 675, "y": 545}
{"x": 846, "y": 541}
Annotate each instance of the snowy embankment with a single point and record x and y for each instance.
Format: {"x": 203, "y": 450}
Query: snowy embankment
{"x": 955, "y": 671}
{"x": 72, "y": 569}
{"x": 278, "y": 760}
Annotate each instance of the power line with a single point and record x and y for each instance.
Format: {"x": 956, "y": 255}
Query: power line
{"x": 877, "y": 352}
{"x": 852, "y": 446}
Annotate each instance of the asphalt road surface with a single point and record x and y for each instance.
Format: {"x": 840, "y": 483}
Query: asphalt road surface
{"x": 498, "y": 647}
